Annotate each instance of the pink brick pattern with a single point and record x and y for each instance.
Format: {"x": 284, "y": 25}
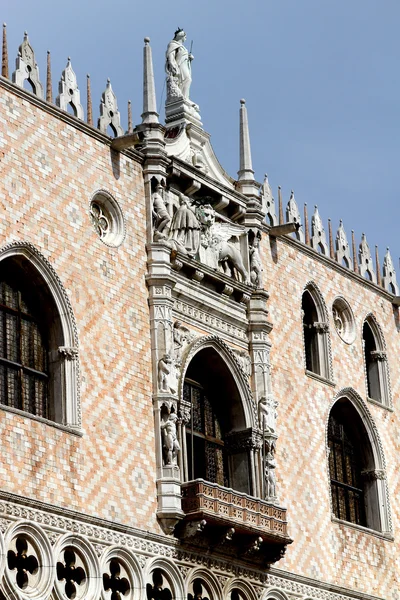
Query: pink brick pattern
{"x": 49, "y": 172}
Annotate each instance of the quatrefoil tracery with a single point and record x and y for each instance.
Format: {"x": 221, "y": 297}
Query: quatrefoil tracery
{"x": 71, "y": 572}
{"x": 119, "y": 586}
{"x": 21, "y": 560}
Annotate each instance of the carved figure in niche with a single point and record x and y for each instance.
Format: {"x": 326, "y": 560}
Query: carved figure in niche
{"x": 171, "y": 445}
{"x": 255, "y": 260}
{"x": 178, "y": 66}
{"x": 185, "y": 227}
{"x": 267, "y": 413}
{"x": 270, "y": 477}
{"x": 160, "y": 213}
{"x": 164, "y": 370}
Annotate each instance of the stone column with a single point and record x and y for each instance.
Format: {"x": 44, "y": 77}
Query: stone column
{"x": 259, "y": 329}
{"x": 161, "y": 282}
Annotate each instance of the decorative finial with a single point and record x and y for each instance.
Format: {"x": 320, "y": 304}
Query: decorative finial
{"x": 89, "y": 111}
{"x": 4, "y": 58}
{"x": 108, "y": 81}
{"x": 147, "y": 40}
{"x": 242, "y": 101}
{"x": 25, "y": 35}
{"x": 109, "y": 113}
{"x": 49, "y": 90}
{"x": 69, "y": 94}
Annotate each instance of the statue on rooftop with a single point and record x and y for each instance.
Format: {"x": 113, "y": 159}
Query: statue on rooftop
{"x": 178, "y": 66}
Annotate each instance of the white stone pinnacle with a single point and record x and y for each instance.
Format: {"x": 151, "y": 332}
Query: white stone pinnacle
{"x": 150, "y": 114}
{"x": 245, "y": 172}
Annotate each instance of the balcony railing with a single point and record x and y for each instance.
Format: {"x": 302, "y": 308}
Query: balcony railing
{"x": 224, "y": 506}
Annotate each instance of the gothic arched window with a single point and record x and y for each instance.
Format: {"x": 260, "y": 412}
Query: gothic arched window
{"x": 356, "y": 467}
{"x": 375, "y": 363}
{"x": 315, "y": 327}
{"x": 38, "y": 371}
{"x": 345, "y": 472}
{"x": 216, "y": 442}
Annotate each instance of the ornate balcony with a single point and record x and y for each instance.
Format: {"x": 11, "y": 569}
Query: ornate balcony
{"x": 232, "y": 522}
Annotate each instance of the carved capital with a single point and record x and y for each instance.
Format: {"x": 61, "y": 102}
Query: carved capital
{"x": 378, "y": 355}
{"x": 321, "y": 327}
{"x": 68, "y": 353}
{"x": 373, "y": 475}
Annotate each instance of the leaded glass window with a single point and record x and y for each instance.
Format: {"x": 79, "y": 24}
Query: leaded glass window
{"x": 23, "y": 353}
{"x": 345, "y": 473}
{"x": 205, "y": 445}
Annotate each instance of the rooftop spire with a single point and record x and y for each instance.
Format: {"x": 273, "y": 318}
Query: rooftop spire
{"x": 49, "y": 90}
{"x": 4, "y": 57}
{"x": 150, "y": 114}
{"x": 245, "y": 172}
{"x": 378, "y": 267}
{"x": 130, "y": 126}
{"x": 306, "y": 226}
{"x": 89, "y": 109}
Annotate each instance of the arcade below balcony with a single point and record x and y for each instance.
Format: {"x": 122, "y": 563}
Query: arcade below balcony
{"x": 232, "y": 522}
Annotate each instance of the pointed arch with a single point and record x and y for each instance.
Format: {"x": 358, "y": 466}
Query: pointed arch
{"x": 315, "y": 327}
{"x": 244, "y": 590}
{"x": 376, "y": 368}
{"x": 220, "y": 432}
{"x": 211, "y": 585}
{"x": 349, "y": 409}
{"x": 60, "y": 328}
{"x": 234, "y": 367}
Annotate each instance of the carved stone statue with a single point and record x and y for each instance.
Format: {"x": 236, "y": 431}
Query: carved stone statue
{"x": 255, "y": 260}
{"x": 178, "y": 66}
{"x": 171, "y": 445}
{"x": 218, "y": 246}
{"x": 244, "y": 361}
{"x": 267, "y": 413}
{"x": 164, "y": 371}
{"x": 159, "y": 210}
{"x": 270, "y": 477}
{"x": 185, "y": 227}
{"x": 181, "y": 336}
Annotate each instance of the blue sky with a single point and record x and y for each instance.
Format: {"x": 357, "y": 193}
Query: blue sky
{"x": 321, "y": 80}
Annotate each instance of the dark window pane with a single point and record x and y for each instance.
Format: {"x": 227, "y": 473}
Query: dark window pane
{"x": 22, "y": 344}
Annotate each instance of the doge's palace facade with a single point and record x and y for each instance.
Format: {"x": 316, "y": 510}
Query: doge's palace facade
{"x": 198, "y": 384}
